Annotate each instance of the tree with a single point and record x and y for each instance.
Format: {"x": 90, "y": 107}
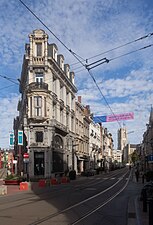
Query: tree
{"x": 134, "y": 157}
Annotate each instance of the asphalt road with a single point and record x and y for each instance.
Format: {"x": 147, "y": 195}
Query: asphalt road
{"x": 101, "y": 199}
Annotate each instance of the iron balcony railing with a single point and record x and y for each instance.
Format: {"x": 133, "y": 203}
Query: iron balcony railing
{"x": 36, "y": 85}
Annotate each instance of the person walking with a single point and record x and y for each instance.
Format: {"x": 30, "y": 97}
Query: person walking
{"x": 137, "y": 174}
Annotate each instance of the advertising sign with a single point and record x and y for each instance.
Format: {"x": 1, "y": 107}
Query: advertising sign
{"x": 112, "y": 118}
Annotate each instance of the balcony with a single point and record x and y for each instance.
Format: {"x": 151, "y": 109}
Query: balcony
{"x": 34, "y": 85}
{"x": 67, "y": 108}
{"x": 54, "y": 96}
{"x": 73, "y": 112}
{"x": 61, "y": 103}
{"x": 60, "y": 128}
{"x": 38, "y": 60}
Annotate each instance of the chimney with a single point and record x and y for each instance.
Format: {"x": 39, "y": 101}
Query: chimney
{"x": 79, "y": 99}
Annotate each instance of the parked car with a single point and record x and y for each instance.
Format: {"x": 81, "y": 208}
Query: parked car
{"x": 88, "y": 172}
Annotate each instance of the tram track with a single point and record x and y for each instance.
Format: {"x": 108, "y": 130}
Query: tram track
{"x": 80, "y": 198}
{"x": 58, "y": 190}
{"x": 88, "y": 213}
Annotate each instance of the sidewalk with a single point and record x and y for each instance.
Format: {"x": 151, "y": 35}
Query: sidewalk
{"x": 136, "y": 216}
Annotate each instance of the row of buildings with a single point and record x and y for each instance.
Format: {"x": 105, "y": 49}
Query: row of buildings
{"x": 7, "y": 160}
{"x": 145, "y": 149}
{"x": 58, "y": 131}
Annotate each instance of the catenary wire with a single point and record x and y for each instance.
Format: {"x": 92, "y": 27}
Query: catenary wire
{"x": 73, "y": 53}
{"x": 117, "y": 57}
{"x": 6, "y": 87}
{"x": 92, "y": 76}
{"x": 8, "y": 78}
{"x": 115, "y": 48}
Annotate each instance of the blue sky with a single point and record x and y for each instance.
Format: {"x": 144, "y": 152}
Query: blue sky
{"x": 88, "y": 28}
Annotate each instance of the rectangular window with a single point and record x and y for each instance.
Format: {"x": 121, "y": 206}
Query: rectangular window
{"x": 39, "y": 136}
{"x": 45, "y": 107}
{"x": 72, "y": 123}
{"x": 67, "y": 120}
{"x": 30, "y": 106}
{"x": 54, "y": 111}
{"x": 54, "y": 85}
{"x": 61, "y": 92}
{"x": 61, "y": 115}
{"x": 39, "y": 49}
{"x": 39, "y": 78}
{"x": 38, "y": 105}
{"x": 67, "y": 98}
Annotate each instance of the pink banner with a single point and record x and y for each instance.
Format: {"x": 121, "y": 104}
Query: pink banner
{"x": 123, "y": 116}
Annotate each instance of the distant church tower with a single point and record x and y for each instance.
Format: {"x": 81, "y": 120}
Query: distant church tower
{"x": 122, "y": 138}
{"x": 151, "y": 116}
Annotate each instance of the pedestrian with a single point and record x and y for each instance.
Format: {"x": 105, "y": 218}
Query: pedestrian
{"x": 137, "y": 174}
{"x": 143, "y": 176}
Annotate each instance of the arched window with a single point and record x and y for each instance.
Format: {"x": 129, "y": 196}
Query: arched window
{"x": 58, "y": 142}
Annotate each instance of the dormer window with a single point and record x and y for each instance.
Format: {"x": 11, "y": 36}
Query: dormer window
{"x": 52, "y": 51}
{"x": 72, "y": 77}
{"x": 55, "y": 54}
{"x": 60, "y": 61}
{"x": 62, "y": 64}
{"x": 67, "y": 70}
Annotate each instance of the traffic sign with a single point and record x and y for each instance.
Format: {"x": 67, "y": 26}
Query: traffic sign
{"x": 26, "y": 155}
{"x": 20, "y": 137}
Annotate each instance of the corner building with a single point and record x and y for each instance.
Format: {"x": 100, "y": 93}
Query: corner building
{"x": 47, "y": 107}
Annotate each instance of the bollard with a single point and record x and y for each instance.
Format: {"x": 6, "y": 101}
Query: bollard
{"x": 151, "y": 212}
{"x": 144, "y": 194}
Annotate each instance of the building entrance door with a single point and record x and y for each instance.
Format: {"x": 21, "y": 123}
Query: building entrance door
{"x": 57, "y": 162}
{"x": 39, "y": 165}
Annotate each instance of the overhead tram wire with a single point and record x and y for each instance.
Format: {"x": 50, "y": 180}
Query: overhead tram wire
{"x": 8, "y": 78}
{"x": 6, "y": 87}
{"x": 120, "y": 46}
{"x": 109, "y": 60}
{"x": 73, "y": 53}
{"x": 117, "y": 57}
{"x": 92, "y": 76}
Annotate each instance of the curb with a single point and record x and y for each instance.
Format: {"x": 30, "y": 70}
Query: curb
{"x": 131, "y": 212}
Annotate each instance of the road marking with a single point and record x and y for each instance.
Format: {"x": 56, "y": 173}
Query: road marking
{"x": 90, "y": 189}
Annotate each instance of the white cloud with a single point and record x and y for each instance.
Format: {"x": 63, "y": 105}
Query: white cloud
{"x": 8, "y": 111}
{"x": 88, "y": 28}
